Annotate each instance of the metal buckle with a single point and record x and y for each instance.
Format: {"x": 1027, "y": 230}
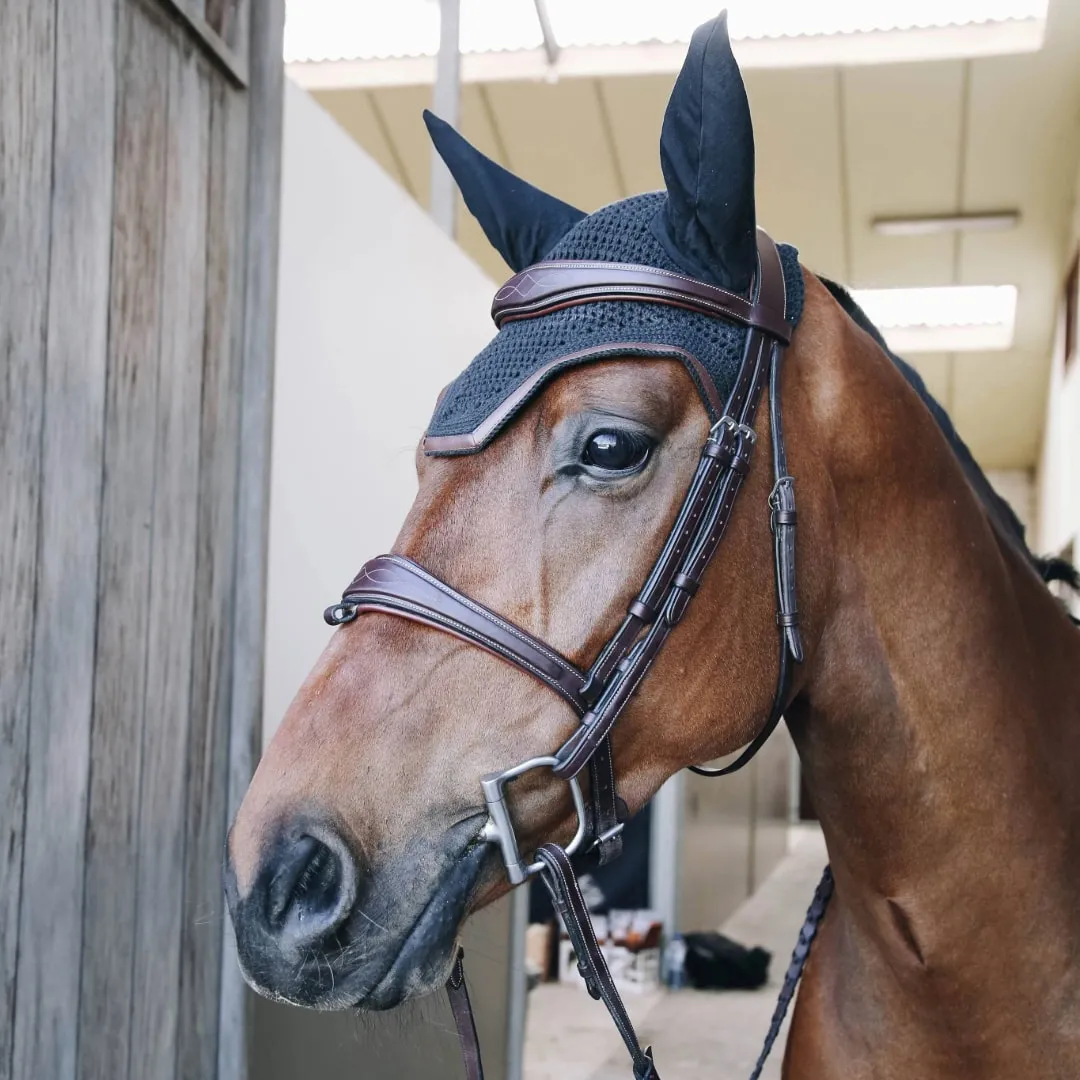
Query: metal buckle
{"x": 499, "y": 829}
{"x": 733, "y": 425}
{"x": 610, "y": 834}
{"x": 774, "y": 495}
{"x": 724, "y": 422}
{"x": 774, "y": 499}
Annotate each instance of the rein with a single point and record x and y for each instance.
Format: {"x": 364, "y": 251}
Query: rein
{"x": 397, "y": 585}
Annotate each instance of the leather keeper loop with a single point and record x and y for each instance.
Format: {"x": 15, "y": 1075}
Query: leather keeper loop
{"x": 718, "y": 451}
{"x": 676, "y": 606}
{"x": 642, "y": 611}
{"x": 784, "y": 517}
{"x": 787, "y": 618}
{"x": 686, "y": 583}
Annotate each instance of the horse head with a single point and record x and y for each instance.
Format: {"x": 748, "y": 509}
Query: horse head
{"x": 551, "y": 477}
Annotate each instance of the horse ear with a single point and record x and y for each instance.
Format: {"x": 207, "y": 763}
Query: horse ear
{"x": 707, "y": 154}
{"x": 521, "y": 221}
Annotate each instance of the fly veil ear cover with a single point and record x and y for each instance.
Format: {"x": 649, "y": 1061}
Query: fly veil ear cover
{"x": 521, "y": 221}
{"x": 707, "y": 224}
{"x": 702, "y": 226}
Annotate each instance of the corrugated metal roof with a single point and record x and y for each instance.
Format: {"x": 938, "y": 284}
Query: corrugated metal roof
{"x": 319, "y": 30}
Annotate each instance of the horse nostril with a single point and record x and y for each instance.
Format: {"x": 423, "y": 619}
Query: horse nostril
{"x": 311, "y": 890}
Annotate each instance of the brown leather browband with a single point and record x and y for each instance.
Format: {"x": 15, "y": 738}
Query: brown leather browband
{"x": 550, "y": 286}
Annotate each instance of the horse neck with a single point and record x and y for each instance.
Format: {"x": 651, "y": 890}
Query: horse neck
{"x": 939, "y": 724}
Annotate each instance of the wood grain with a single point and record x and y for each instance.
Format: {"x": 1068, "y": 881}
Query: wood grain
{"x": 253, "y": 492}
{"x": 63, "y": 669}
{"x": 207, "y": 760}
{"x": 131, "y": 418}
{"x": 186, "y": 14}
{"x": 27, "y": 62}
{"x": 159, "y": 883}
{"x": 124, "y": 251}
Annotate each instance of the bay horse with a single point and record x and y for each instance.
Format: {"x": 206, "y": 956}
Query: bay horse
{"x": 927, "y": 676}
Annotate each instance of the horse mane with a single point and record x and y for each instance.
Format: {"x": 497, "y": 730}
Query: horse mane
{"x": 1001, "y": 514}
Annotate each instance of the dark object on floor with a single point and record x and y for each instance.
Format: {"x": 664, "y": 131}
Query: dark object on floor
{"x": 715, "y": 962}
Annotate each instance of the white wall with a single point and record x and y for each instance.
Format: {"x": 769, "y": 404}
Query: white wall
{"x": 1059, "y": 463}
{"x": 377, "y": 311}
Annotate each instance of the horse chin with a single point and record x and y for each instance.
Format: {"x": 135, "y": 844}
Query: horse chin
{"x": 427, "y": 954}
{"x": 399, "y": 942}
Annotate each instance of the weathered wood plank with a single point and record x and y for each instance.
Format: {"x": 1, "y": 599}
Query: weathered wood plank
{"x": 263, "y": 29}
{"x": 185, "y": 13}
{"x": 63, "y": 670}
{"x": 162, "y": 810}
{"x": 124, "y": 565}
{"x": 207, "y": 759}
{"x": 237, "y": 25}
{"x": 27, "y": 60}
{"x": 231, "y": 18}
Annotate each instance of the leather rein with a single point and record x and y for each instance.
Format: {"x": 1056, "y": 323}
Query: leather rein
{"x": 397, "y": 585}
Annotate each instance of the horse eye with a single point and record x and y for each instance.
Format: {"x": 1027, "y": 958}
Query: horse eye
{"x": 616, "y": 451}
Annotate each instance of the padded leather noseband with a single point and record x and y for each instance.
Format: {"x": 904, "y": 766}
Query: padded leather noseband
{"x": 396, "y": 584}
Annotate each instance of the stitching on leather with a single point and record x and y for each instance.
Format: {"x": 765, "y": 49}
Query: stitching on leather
{"x": 469, "y": 634}
{"x": 622, "y": 1021}
{"x": 481, "y": 436}
{"x": 574, "y": 264}
{"x": 486, "y": 613}
{"x": 576, "y": 760}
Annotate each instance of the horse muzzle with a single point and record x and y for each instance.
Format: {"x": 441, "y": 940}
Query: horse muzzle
{"x": 320, "y": 928}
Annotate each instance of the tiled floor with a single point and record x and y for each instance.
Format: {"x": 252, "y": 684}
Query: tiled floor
{"x": 694, "y": 1034}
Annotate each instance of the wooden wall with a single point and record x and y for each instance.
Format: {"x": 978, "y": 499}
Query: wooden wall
{"x": 139, "y": 154}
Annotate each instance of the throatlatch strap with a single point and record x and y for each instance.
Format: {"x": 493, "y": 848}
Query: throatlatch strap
{"x": 782, "y": 521}
{"x": 458, "y": 993}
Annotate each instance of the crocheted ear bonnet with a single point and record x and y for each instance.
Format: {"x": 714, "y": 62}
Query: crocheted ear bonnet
{"x": 702, "y": 226}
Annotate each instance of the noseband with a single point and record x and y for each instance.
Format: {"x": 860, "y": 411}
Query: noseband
{"x": 396, "y": 585}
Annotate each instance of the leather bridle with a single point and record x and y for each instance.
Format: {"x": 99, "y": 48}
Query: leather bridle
{"x": 397, "y": 585}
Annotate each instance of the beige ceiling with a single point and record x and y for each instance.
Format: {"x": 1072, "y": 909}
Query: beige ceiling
{"x": 835, "y": 148}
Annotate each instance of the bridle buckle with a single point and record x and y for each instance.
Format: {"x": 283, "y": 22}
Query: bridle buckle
{"x": 609, "y": 834}
{"x": 499, "y": 828}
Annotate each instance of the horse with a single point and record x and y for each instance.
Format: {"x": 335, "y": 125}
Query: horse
{"x": 926, "y": 674}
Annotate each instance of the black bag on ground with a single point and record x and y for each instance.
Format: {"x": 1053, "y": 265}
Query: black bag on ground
{"x": 715, "y": 962}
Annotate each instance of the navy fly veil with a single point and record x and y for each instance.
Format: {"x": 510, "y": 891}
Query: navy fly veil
{"x": 619, "y": 233}
{"x": 703, "y": 225}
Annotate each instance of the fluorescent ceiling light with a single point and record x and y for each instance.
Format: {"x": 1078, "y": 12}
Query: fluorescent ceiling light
{"x": 615, "y": 36}
{"x": 933, "y": 224}
{"x": 949, "y": 318}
